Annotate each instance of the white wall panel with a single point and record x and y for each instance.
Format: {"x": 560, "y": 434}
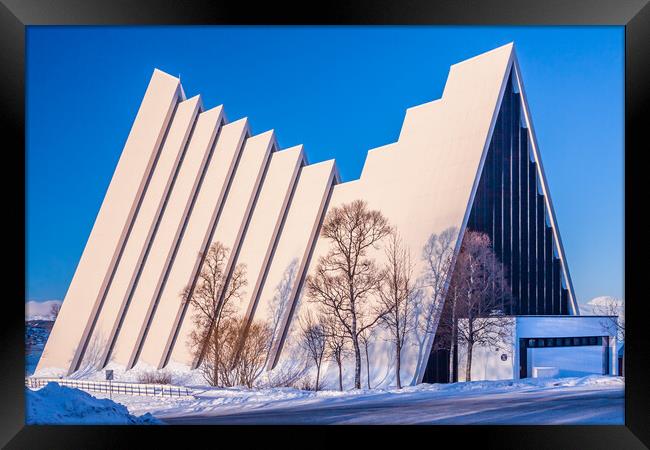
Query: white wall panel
{"x": 564, "y": 326}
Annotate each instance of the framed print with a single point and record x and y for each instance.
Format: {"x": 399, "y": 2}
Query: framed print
{"x": 375, "y": 217}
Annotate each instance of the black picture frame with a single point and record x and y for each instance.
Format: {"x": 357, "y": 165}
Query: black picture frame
{"x": 15, "y": 15}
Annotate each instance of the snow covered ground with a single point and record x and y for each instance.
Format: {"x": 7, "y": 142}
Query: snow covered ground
{"x": 586, "y": 400}
{"x": 60, "y": 405}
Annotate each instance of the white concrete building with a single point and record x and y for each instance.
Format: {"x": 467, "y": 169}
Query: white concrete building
{"x": 188, "y": 178}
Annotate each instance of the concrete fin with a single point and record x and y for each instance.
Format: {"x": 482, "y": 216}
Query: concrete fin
{"x": 163, "y": 246}
{"x": 228, "y": 229}
{"x": 111, "y": 227}
{"x": 207, "y": 204}
{"x": 142, "y": 232}
{"x": 266, "y": 221}
{"x": 292, "y": 252}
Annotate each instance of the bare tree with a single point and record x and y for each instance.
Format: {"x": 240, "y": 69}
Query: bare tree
{"x": 54, "y": 310}
{"x": 313, "y": 340}
{"x": 220, "y": 351}
{"x": 252, "y": 350}
{"x": 344, "y": 278}
{"x": 438, "y": 254}
{"x": 365, "y": 338}
{"x": 614, "y": 309}
{"x": 241, "y": 348}
{"x": 281, "y": 296}
{"x": 480, "y": 292}
{"x": 337, "y": 343}
{"x": 288, "y": 373}
{"x": 155, "y": 377}
{"x": 213, "y": 299}
{"x": 397, "y": 298}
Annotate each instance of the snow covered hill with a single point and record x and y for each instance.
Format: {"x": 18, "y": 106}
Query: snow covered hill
{"x": 40, "y": 310}
{"x": 601, "y": 304}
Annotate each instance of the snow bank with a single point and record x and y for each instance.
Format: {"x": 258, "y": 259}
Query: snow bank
{"x": 55, "y": 404}
{"x": 526, "y": 383}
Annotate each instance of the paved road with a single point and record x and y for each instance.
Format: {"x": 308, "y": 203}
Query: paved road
{"x": 584, "y": 405}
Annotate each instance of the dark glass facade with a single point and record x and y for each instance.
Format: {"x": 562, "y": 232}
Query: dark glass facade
{"x": 511, "y": 209}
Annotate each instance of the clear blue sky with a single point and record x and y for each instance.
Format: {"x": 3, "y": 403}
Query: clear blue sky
{"x": 340, "y": 92}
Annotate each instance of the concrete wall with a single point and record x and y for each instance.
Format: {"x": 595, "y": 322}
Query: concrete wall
{"x": 487, "y": 363}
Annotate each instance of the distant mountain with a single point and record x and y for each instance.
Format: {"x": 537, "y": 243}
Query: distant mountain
{"x": 599, "y": 304}
{"x": 40, "y": 310}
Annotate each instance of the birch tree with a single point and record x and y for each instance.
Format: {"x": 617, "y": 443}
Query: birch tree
{"x": 481, "y": 293}
{"x": 438, "y": 255}
{"x": 313, "y": 340}
{"x": 365, "y": 338}
{"x": 337, "y": 344}
{"x": 55, "y": 308}
{"x": 213, "y": 299}
{"x": 397, "y": 305}
{"x": 345, "y": 277}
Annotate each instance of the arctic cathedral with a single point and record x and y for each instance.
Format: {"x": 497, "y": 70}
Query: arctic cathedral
{"x": 187, "y": 178}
